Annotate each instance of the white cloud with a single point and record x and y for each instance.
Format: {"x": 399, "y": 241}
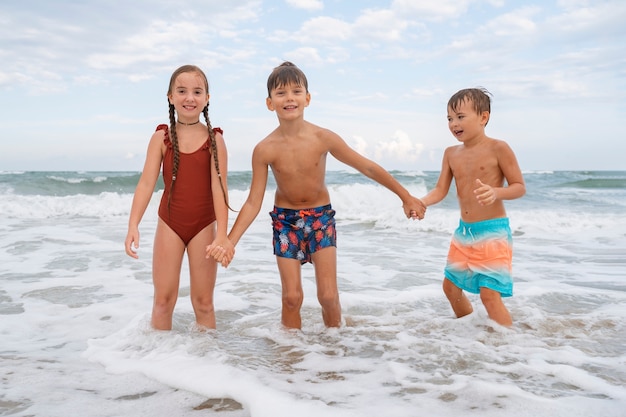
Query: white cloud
{"x": 309, "y": 55}
{"x": 380, "y": 24}
{"x": 360, "y": 145}
{"x": 431, "y": 10}
{"x": 399, "y": 147}
{"x": 325, "y": 29}
{"x": 517, "y": 23}
{"x": 596, "y": 18}
{"x": 310, "y": 5}
{"x": 375, "y": 69}
{"x": 160, "y": 41}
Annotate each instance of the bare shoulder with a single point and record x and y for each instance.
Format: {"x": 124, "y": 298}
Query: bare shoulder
{"x": 219, "y": 138}
{"x": 327, "y": 139}
{"x": 323, "y": 133}
{"x": 157, "y": 140}
{"x": 158, "y": 135}
{"x": 266, "y": 147}
{"x": 500, "y": 146}
{"x": 269, "y": 141}
{"x": 451, "y": 150}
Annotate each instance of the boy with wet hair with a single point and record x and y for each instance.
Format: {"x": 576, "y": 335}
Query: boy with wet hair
{"x": 480, "y": 256}
{"x": 303, "y": 219}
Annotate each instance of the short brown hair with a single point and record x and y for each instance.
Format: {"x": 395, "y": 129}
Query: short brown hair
{"x": 284, "y": 74}
{"x": 480, "y": 98}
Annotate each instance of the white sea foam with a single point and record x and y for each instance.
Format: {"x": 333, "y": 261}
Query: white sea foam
{"x": 76, "y": 338}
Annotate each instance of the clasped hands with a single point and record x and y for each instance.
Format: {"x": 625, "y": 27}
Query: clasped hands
{"x": 222, "y": 250}
{"x": 415, "y": 209}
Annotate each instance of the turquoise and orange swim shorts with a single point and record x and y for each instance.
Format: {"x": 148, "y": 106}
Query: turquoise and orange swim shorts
{"x": 481, "y": 255}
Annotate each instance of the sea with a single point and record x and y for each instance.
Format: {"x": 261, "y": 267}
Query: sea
{"x": 75, "y": 338}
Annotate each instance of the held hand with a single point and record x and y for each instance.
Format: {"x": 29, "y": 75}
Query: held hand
{"x": 414, "y": 208}
{"x": 222, "y": 250}
{"x": 485, "y": 194}
{"x": 131, "y": 244}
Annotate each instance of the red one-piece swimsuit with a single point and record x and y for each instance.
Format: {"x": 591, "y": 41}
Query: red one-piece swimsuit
{"x": 190, "y": 206}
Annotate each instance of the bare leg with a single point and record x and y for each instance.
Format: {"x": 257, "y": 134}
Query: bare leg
{"x": 166, "y": 263}
{"x": 492, "y": 300}
{"x": 325, "y": 262}
{"x": 291, "y": 279}
{"x": 203, "y": 273}
{"x": 458, "y": 300}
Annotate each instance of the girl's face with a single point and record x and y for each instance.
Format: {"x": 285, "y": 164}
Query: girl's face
{"x": 189, "y": 96}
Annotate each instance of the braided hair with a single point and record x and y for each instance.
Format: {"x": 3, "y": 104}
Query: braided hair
{"x": 174, "y": 136}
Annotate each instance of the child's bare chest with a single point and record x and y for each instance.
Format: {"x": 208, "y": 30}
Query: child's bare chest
{"x": 468, "y": 161}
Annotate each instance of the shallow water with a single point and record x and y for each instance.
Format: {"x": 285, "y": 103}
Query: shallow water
{"x": 75, "y": 311}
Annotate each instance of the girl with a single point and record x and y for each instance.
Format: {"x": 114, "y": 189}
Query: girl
{"x": 194, "y": 206}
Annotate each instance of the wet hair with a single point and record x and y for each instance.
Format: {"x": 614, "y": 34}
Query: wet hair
{"x": 174, "y": 136}
{"x": 285, "y": 74}
{"x": 479, "y": 97}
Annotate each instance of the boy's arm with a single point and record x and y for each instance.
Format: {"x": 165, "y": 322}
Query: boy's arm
{"x": 250, "y": 208}
{"x": 248, "y": 211}
{"x": 515, "y": 188}
{"x": 342, "y": 152}
{"x": 252, "y": 205}
{"x": 443, "y": 183}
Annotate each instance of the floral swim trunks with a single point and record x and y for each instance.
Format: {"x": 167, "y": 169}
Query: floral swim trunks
{"x": 481, "y": 255}
{"x": 299, "y": 233}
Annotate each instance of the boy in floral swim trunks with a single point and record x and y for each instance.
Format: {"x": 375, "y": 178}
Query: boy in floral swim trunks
{"x": 479, "y": 260}
{"x": 303, "y": 220}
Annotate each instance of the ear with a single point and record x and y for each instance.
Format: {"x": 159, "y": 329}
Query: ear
{"x": 484, "y": 118}
{"x": 269, "y": 104}
{"x": 308, "y": 99}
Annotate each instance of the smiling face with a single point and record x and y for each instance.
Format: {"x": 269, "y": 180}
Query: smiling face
{"x": 189, "y": 95}
{"x": 288, "y": 100}
{"x": 465, "y": 123}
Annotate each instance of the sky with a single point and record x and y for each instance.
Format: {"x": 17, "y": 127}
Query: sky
{"x": 83, "y": 83}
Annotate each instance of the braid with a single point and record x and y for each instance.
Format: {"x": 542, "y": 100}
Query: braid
{"x": 205, "y": 111}
{"x": 174, "y": 140}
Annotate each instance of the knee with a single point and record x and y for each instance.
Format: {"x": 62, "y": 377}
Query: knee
{"x": 203, "y": 303}
{"x": 293, "y": 300}
{"x": 328, "y": 299}
{"x": 164, "y": 304}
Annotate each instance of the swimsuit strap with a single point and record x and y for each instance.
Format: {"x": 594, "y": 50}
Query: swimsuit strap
{"x": 165, "y": 129}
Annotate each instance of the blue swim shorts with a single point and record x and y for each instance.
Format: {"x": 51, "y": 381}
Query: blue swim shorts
{"x": 299, "y": 233}
{"x": 481, "y": 255}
